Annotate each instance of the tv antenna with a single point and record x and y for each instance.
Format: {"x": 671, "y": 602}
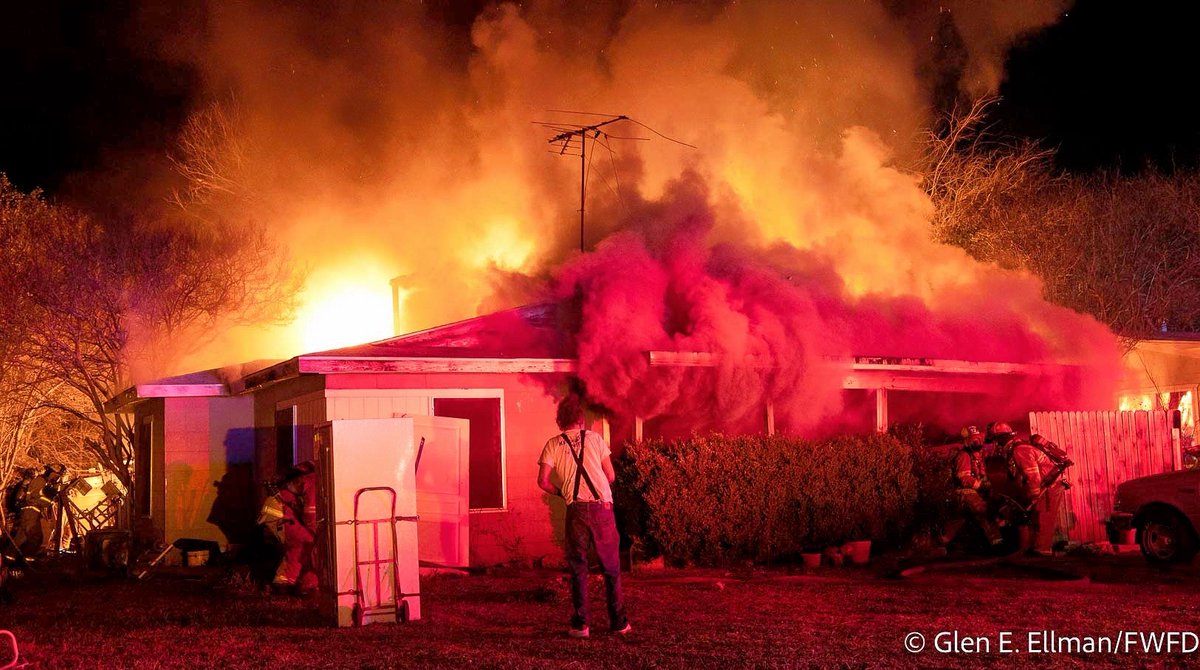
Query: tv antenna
{"x": 572, "y": 140}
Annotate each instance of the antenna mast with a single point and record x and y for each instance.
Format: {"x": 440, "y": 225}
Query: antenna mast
{"x": 568, "y": 134}
{"x": 566, "y": 138}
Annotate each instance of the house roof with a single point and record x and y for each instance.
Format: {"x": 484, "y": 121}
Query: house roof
{"x": 529, "y": 339}
{"x": 532, "y": 331}
{"x": 213, "y": 383}
{"x": 205, "y": 383}
{"x": 536, "y": 339}
{"x": 894, "y": 373}
{"x": 1180, "y": 344}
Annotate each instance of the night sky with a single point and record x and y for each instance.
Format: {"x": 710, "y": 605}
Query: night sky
{"x": 1110, "y": 85}
{"x": 1113, "y": 85}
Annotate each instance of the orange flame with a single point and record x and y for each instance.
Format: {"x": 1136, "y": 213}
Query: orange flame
{"x": 344, "y": 304}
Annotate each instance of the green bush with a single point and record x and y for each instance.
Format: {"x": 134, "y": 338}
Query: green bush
{"x": 936, "y": 501}
{"x": 933, "y": 469}
{"x": 714, "y": 499}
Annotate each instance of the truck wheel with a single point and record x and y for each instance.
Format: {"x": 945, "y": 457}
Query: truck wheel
{"x": 1166, "y": 537}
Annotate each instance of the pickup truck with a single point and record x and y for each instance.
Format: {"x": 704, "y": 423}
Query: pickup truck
{"x": 1165, "y": 510}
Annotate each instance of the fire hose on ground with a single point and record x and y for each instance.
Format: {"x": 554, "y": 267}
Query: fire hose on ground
{"x": 1006, "y": 559}
{"x": 15, "y": 661}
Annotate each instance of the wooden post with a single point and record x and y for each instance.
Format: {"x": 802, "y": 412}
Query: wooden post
{"x": 770, "y": 418}
{"x": 637, "y": 429}
{"x": 881, "y": 410}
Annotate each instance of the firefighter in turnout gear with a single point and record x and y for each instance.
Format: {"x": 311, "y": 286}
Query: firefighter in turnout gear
{"x": 14, "y": 495}
{"x": 970, "y": 477}
{"x": 14, "y": 504}
{"x": 37, "y": 503}
{"x": 1037, "y": 465}
{"x": 298, "y": 493}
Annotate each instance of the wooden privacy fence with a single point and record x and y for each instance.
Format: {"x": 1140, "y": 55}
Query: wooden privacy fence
{"x": 1107, "y": 448}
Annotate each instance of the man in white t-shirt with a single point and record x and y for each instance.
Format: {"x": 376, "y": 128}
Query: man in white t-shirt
{"x": 587, "y": 491}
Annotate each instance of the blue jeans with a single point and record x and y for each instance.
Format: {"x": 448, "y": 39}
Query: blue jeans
{"x": 588, "y": 524}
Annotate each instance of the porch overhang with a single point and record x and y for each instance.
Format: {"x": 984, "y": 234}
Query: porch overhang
{"x": 126, "y": 400}
{"x": 882, "y": 374}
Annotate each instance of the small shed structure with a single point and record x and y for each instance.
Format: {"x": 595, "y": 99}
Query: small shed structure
{"x": 194, "y": 448}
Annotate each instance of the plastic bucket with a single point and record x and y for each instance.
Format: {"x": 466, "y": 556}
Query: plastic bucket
{"x": 811, "y": 560}
{"x": 860, "y": 551}
{"x": 196, "y": 558}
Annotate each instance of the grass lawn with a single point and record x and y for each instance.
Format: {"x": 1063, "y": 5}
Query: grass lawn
{"x": 681, "y": 618}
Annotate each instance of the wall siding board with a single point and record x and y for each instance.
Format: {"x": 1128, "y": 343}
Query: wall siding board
{"x": 1154, "y": 460}
{"x": 1139, "y": 455}
{"x": 1141, "y": 441}
{"x": 1108, "y": 422}
{"x": 1086, "y": 477}
{"x": 1163, "y": 434}
{"x": 1086, "y": 503}
{"x": 1102, "y": 499}
{"x": 1122, "y": 436}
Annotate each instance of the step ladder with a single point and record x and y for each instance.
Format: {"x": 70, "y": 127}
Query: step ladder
{"x": 365, "y": 606}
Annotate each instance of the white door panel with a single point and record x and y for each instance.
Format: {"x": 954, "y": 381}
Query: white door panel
{"x": 443, "y": 489}
{"x": 378, "y": 455}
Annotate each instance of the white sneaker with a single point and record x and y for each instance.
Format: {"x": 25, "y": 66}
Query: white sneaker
{"x": 623, "y": 631}
{"x": 579, "y": 632}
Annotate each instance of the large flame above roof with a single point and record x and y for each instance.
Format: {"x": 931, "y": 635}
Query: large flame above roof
{"x": 385, "y": 144}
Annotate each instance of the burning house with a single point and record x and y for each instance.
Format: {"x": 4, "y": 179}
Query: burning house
{"x": 209, "y": 439}
{"x": 783, "y": 277}
{"x": 1164, "y": 374}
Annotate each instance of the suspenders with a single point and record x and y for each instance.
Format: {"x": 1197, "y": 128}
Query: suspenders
{"x": 580, "y": 471}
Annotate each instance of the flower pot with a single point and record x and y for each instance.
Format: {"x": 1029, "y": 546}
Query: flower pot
{"x": 811, "y": 560}
{"x": 859, "y": 551}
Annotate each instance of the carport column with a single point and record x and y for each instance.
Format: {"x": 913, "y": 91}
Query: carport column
{"x": 637, "y": 429}
{"x": 881, "y": 410}
{"x": 770, "y": 418}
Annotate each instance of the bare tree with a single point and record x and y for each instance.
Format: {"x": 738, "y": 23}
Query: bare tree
{"x": 211, "y": 157}
{"x": 1123, "y": 248}
{"x": 82, "y": 286}
{"x": 32, "y": 428}
{"x": 977, "y": 180}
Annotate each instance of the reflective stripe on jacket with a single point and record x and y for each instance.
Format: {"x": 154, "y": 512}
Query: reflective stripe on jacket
{"x": 1030, "y": 466}
{"x": 969, "y": 469}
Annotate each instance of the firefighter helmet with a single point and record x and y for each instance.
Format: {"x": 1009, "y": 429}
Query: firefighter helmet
{"x": 999, "y": 432}
{"x": 296, "y": 472}
{"x": 306, "y": 467}
{"x": 971, "y": 435}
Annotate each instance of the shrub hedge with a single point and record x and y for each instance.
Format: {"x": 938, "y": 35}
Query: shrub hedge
{"x": 715, "y": 499}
